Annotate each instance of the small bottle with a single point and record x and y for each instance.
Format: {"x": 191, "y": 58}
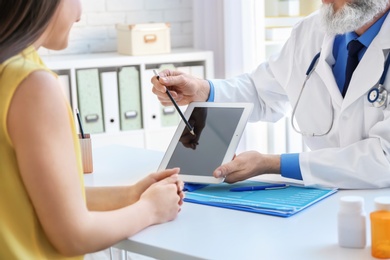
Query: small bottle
{"x": 352, "y": 222}
{"x": 380, "y": 228}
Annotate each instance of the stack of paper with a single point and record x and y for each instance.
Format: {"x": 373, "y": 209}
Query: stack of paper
{"x": 282, "y": 202}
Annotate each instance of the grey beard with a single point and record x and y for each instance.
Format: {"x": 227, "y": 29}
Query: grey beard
{"x": 352, "y": 16}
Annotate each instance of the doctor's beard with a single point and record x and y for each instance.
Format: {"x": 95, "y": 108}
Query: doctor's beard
{"x": 351, "y": 16}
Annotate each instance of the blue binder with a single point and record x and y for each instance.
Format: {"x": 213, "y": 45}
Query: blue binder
{"x": 278, "y": 202}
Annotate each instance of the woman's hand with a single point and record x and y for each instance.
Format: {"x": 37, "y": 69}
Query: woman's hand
{"x": 165, "y": 198}
{"x": 141, "y": 186}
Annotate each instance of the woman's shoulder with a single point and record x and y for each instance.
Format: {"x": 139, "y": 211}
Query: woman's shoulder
{"x": 19, "y": 68}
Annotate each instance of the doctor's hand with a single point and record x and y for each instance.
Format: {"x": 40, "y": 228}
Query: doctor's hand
{"x": 184, "y": 88}
{"x": 247, "y": 165}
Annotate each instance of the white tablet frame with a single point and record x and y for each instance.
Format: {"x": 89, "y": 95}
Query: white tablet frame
{"x": 229, "y": 153}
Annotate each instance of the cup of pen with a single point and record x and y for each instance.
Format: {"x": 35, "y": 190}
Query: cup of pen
{"x": 86, "y": 152}
{"x": 85, "y": 146}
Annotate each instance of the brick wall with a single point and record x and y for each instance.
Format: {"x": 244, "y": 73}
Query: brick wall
{"x": 96, "y": 30}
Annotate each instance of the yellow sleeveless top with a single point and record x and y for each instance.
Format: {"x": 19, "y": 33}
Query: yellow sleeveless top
{"x": 21, "y": 234}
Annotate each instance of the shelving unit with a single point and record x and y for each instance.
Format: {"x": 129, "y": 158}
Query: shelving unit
{"x": 279, "y": 18}
{"x": 114, "y": 94}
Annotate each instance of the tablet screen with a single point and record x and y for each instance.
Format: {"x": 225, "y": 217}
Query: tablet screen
{"x": 201, "y": 154}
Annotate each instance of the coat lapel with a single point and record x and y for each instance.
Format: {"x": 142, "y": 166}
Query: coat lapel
{"x": 370, "y": 68}
{"x": 365, "y": 77}
{"x": 324, "y": 70}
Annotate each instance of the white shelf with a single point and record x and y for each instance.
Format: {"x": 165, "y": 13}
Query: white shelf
{"x": 155, "y": 128}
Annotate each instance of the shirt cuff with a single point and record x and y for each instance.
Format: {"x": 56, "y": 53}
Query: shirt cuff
{"x": 289, "y": 166}
{"x": 211, "y": 94}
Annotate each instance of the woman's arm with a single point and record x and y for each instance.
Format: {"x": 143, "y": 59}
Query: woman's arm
{"x": 110, "y": 198}
{"x": 115, "y": 197}
{"x": 40, "y": 130}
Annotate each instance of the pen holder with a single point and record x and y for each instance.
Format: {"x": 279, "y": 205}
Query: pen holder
{"x": 86, "y": 153}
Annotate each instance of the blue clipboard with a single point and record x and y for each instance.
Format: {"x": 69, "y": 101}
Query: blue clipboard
{"x": 277, "y": 202}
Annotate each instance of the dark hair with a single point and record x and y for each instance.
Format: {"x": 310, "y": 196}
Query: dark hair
{"x": 22, "y": 22}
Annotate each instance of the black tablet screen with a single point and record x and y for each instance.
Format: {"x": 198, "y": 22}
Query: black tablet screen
{"x": 203, "y": 153}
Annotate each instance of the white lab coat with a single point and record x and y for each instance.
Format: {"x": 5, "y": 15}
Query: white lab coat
{"x": 356, "y": 152}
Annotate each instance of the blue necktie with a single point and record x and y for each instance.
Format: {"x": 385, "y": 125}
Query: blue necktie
{"x": 354, "y": 47}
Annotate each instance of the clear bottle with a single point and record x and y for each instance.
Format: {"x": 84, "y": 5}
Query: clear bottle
{"x": 380, "y": 228}
{"x": 352, "y": 222}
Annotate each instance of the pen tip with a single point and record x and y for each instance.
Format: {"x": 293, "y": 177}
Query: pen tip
{"x": 192, "y": 132}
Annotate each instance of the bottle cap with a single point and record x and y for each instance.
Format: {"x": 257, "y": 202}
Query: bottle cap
{"x": 382, "y": 203}
{"x": 351, "y": 203}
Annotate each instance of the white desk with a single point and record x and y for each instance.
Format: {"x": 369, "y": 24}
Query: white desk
{"x": 204, "y": 232}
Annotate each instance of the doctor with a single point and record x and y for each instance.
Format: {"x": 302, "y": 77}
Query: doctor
{"x": 342, "y": 112}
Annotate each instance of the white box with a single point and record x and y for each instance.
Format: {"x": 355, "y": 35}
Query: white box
{"x": 143, "y": 39}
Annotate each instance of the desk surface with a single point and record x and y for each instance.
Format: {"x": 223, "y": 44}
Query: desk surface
{"x": 204, "y": 232}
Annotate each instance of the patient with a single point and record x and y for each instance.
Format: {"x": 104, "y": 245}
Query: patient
{"x": 45, "y": 211}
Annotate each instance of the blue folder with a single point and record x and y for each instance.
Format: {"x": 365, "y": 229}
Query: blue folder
{"x": 278, "y": 202}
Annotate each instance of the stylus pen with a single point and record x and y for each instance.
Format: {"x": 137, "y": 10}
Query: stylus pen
{"x": 190, "y": 128}
{"x": 80, "y": 125}
{"x": 261, "y": 187}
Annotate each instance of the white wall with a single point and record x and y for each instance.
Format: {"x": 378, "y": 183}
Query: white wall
{"x": 230, "y": 29}
{"x": 96, "y": 30}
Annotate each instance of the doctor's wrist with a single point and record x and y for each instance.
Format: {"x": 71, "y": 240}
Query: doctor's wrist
{"x": 203, "y": 93}
{"x": 273, "y": 163}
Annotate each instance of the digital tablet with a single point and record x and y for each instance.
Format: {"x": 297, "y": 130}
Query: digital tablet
{"x": 217, "y": 128}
